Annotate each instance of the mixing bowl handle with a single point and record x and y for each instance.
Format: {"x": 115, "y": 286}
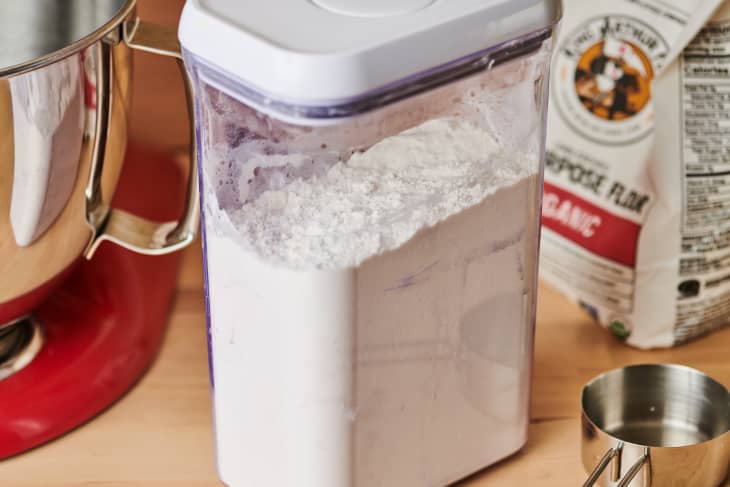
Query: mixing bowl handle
{"x": 118, "y": 226}
{"x": 613, "y": 457}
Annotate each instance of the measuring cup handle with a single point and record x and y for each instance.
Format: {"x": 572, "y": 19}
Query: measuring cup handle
{"x": 601, "y": 466}
{"x": 635, "y": 469}
{"x": 614, "y": 455}
{"x": 123, "y": 228}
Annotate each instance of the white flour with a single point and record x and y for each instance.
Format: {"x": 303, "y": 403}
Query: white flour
{"x": 377, "y": 200}
{"x": 410, "y": 324}
{"x": 371, "y": 315}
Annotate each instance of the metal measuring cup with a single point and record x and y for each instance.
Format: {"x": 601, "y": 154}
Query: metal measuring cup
{"x": 655, "y": 426}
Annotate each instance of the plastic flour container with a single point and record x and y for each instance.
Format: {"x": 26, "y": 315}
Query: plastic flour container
{"x": 371, "y": 176}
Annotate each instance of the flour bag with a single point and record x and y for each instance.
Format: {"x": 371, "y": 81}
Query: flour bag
{"x": 630, "y": 230}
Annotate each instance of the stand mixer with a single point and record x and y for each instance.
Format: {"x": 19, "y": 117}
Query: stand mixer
{"x": 76, "y": 333}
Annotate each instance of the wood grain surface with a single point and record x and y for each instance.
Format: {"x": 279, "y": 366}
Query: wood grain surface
{"x": 159, "y": 435}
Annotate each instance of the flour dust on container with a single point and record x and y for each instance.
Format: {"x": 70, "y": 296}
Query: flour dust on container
{"x": 371, "y": 177}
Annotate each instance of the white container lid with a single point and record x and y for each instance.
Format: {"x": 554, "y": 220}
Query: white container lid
{"x": 318, "y": 52}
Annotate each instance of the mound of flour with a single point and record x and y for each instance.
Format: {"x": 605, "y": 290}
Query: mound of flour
{"x": 378, "y": 199}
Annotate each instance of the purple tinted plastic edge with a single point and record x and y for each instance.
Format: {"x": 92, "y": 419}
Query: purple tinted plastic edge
{"x": 395, "y": 91}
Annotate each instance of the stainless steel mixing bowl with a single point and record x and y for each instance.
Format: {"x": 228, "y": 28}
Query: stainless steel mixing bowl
{"x": 65, "y": 72}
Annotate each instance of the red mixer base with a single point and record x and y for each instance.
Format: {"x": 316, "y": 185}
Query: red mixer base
{"x": 103, "y": 327}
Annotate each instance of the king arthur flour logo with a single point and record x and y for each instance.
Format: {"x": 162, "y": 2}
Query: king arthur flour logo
{"x": 604, "y": 70}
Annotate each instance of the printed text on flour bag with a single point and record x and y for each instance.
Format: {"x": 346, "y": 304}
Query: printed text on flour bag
{"x": 590, "y": 226}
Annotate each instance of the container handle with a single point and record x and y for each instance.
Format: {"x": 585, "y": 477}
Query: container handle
{"x": 613, "y": 458}
{"x": 118, "y": 226}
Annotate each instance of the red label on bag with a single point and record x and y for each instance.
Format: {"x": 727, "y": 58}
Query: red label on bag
{"x": 590, "y": 226}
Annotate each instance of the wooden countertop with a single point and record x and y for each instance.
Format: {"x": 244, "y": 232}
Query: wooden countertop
{"x": 159, "y": 435}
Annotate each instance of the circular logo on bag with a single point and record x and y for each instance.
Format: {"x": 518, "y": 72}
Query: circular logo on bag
{"x": 603, "y": 75}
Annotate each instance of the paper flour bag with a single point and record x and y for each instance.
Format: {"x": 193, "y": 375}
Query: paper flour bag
{"x": 612, "y": 207}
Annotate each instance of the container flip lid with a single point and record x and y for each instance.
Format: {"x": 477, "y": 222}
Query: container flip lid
{"x": 324, "y": 51}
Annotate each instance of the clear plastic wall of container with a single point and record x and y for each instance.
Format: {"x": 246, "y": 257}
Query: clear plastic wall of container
{"x": 371, "y": 273}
